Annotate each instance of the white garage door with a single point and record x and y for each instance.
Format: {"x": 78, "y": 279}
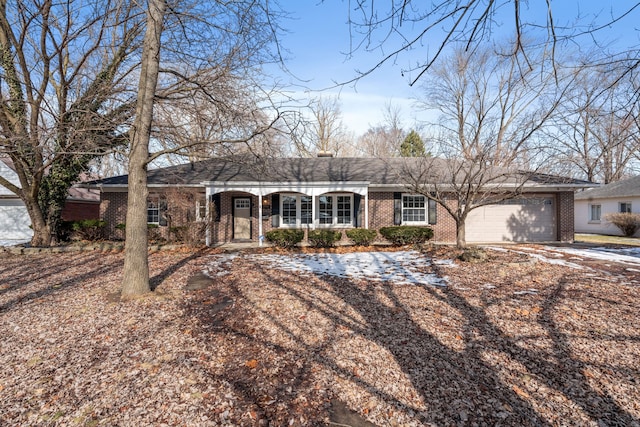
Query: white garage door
{"x": 517, "y": 220}
{"x": 14, "y": 221}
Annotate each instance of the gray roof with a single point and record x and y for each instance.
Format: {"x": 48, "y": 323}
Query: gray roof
{"x": 624, "y": 188}
{"x": 376, "y": 171}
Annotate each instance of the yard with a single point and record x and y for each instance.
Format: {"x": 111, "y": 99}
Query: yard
{"x": 534, "y": 335}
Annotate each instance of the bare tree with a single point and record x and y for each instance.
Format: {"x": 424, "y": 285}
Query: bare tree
{"x": 192, "y": 50}
{"x": 324, "y": 131}
{"x": 407, "y": 26}
{"x": 490, "y": 115}
{"x": 384, "y": 139}
{"x": 595, "y": 129}
{"x": 63, "y": 84}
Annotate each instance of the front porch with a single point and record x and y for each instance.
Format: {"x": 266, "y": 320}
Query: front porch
{"x": 244, "y": 212}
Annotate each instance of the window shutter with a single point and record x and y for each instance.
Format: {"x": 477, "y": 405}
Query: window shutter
{"x": 275, "y": 210}
{"x": 397, "y": 208}
{"x": 215, "y": 199}
{"x": 433, "y": 212}
{"x": 356, "y": 210}
{"x": 162, "y": 211}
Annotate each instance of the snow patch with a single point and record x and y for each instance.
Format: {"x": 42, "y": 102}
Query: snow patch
{"x": 397, "y": 267}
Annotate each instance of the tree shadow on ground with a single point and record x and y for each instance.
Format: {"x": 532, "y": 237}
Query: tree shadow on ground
{"x": 456, "y": 384}
{"x": 53, "y": 270}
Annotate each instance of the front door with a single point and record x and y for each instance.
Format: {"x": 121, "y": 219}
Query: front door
{"x": 242, "y": 218}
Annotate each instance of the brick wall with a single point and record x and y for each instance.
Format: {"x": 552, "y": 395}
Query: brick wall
{"x": 565, "y": 216}
{"x": 76, "y": 210}
{"x": 381, "y": 215}
{"x": 113, "y": 210}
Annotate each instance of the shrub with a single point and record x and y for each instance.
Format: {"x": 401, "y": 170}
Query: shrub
{"x": 285, "y": 238}
{"x": 153, "y": 233}
{"x": 627, "y": 222}
{"x": 323, "y": 238}
{"x": 191, "y": 233}
{"x": 88, "y": 229}
{"x": 362, "y": 236}
{"x": 474, "y": 254}
{"x": 406, "y": 234}
{"x": 65, "y": 231}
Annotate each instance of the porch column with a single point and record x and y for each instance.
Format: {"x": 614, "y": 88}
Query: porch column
{"x": 366, "y": 209}
{"x": 313, "y": 211}
{"x": 260, "y": 236}
{"x": 207, "y": 230}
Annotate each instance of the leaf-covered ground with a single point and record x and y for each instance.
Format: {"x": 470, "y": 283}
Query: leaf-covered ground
{"x": 514, "y": 340}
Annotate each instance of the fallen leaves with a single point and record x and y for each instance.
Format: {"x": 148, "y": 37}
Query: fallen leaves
{"x": 262, "y": 346}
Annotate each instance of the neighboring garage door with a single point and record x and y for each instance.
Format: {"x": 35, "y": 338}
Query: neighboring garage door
{"x": 14, "y": 221}
{"x": 518, "y": 220}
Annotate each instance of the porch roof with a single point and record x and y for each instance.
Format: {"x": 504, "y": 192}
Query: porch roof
{"x": 310, "y": 189}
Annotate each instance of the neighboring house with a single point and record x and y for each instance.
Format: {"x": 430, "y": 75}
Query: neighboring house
{"x": 247, "y": 199}
{"x": 593, "y": 205}
{"x": 14, "y": 219}
{"x": 15, "y": 224}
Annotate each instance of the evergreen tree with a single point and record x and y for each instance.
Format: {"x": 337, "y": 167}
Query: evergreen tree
{"x": 412, "y": 146}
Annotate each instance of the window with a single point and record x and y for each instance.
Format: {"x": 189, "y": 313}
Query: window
{"x": 201, "y": 209}
{"x": 335, "y": 209}
{"x": 595, "y": 211}
{"x": 325, "y": 209}
{"x": 156, "y": 206}
{"x": 306, "y": 210}
{"x": 296, "y": 210}
{"x": 413, "y": 209}
{"x": 417, "y": 209}
{"x": 289, "y": 212}
{"x": 625, "y": 207}
{"x": 344, "y": 209}
{"x": 331, "y": 209}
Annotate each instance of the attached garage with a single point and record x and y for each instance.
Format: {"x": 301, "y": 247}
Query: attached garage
{"x": 14, "y": 220}
{"x": 530, "y": 219}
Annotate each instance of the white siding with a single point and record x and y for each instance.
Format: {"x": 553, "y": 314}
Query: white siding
{"x": 14, "y": 220}
{"x": 582, "y": 215}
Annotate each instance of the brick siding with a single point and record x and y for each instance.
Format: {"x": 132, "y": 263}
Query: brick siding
{"x": 113, "y": 211}
{"x": 565, "y": 216}
{"x": 75, "y": 210}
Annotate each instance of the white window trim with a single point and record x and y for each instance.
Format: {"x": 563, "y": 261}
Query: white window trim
{"x": 625, "y": 203}
{"x": 591, "y": 219}
{"x": 298, "y": 222}
{"x": 315, "y": 211}
{"x": 158, "y": 199}
{"x": 334, "y": 215}
{"x": 426, "y": 210}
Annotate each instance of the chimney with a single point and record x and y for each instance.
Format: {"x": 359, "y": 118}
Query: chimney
{"x": 325, "y": 154}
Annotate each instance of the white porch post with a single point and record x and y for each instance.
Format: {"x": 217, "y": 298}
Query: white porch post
{"x": 313, "y": 212}
{"x": 260, "y": 236}
{"x": 366, "y": 209}
{"x": 207, "y": 231}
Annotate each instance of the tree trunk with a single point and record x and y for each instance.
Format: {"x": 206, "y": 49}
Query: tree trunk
{"x": 461, "y": 239}
{"x": 41, "y": 230}
{"x": 135, "y": 281}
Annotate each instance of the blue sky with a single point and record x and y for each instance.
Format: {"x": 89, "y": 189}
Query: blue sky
{"x": 318, "y": 41}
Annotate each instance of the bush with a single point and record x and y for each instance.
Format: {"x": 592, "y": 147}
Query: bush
{"x": 323, "y": 238}
{"x": 88, "y": 229}
{"x": 362, "y": 236}
{"x": 285, "y": 238}
{"x": 406, "y": 234}
{"x": 627, "y": 222}
{"x": 191, "y": 233}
